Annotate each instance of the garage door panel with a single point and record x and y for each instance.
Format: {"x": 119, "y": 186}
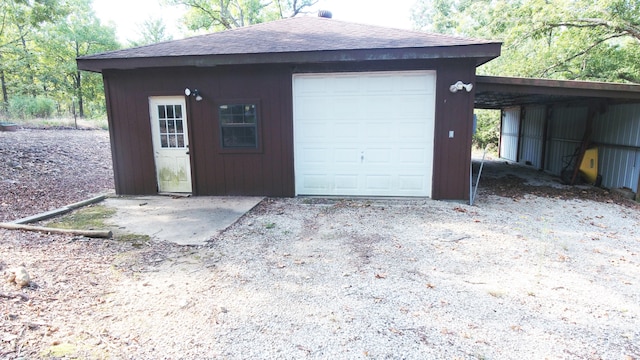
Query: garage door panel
{"x": 312, "y": 86}
{"x": 412, "y": 182}
{"x": 345, "y": 85}
{"x": 345, "y": 156}
{"x": 412, "y": 107}
{"x": 345, "y": 130}
{"x": 378, "y": 182}
{"x": 412, "y": 131}
{"x": 408, "y": 156}
{"x": 346, "y": 107}
{"x": 379, "y": 107}
{"x": 375, "y": 139}
{"x": 315, "y": 183}
{"x": 377, "y": 155}
{"x": 380, "y": 130}
{"x": 417, "y": 84}
{"x": 314, "y": 131}
{"x": 315, "y": 155}
{"x": 346, "y": 182}
{"x": 377, "y": 84}
{"x": 310, "y": 108}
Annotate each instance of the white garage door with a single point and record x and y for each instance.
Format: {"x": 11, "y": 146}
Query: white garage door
{"x": 364, "y": 134}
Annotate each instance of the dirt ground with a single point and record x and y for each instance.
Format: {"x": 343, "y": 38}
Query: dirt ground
{"x": 528, "y": 272}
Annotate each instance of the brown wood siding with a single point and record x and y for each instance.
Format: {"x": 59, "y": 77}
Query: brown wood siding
{"x": 268, "y": 172}
{"x": 454, "y": 112}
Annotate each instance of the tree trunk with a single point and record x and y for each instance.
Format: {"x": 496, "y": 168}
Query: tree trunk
{"x": 78, "y": 84}
{"x": 79, "y": 90}
{"x": 5, "y": 97}
{"x": 88, "y": 233}
{"x": 27, "y": 55}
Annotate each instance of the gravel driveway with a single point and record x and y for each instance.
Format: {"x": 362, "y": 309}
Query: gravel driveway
{"x": 540, "y": 273}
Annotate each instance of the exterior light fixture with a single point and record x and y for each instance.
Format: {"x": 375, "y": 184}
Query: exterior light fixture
{"x": 459, "y": 86}
{"x": 195, "y": 93}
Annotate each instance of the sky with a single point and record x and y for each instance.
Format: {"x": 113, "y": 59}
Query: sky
{"x": 128, "y": 15}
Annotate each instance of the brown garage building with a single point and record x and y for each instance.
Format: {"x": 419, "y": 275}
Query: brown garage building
{"x": 302, "y": 106}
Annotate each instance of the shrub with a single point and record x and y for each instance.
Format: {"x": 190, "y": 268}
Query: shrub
{"x": 27, "y": 107}
{"x": 487, "y": 129}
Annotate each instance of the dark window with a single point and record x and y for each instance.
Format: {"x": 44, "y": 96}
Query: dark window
{"x": 238, "y": 126}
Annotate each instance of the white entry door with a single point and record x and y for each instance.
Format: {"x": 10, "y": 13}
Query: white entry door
{"x": 170, "y": 143}
{"x": 364, "y": 134}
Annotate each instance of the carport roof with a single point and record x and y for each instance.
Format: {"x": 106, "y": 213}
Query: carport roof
{"x": 296, "y": 40}
{"x": 494, "y": 92}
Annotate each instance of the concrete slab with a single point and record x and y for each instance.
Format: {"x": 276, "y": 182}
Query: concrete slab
{"x": 182, "y": 220}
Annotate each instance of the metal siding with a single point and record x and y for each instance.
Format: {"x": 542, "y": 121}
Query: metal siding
{"x": 509, "y": 134}
{"x": 566, "y": 129}
{"x": 532, "y": 135}
{"x": 619, "y": 126}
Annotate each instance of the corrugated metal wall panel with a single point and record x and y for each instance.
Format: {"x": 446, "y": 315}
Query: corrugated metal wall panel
{"x": 617, "y": 131}
{"x": 566, "y": 129}
{"x": 509, "y": 133}
{"x": 619, "y": 167}
{"x": 532, "y": 135}
{"x": 620, "y": 125}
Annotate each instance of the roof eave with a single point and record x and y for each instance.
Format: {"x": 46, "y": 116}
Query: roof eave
{"x": 558, "y": 87}
{"x": 481, "y": 52}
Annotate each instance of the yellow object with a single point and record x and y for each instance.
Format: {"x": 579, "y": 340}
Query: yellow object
{"x": 589, "y": 165}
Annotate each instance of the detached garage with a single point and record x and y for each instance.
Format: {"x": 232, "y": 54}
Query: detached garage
{"x": 302, "y": 106}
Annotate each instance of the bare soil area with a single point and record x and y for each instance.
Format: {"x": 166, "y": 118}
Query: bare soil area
{"x": 534, "y": 272}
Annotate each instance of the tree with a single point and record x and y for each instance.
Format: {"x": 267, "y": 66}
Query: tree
{"x": 77, "y": 34}
{"x": 19, "y": 19}
{"x": 228, "y": 14}
{"x": 152, "y": 30}
{"x": 577, "y": 39}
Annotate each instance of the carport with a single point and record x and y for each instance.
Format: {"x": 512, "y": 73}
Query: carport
{"x": 544, "y": 122}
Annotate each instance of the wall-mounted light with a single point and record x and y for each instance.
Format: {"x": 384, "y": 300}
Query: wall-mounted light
{"x": 459, "y": 86}
{"x": 195, "y": 93}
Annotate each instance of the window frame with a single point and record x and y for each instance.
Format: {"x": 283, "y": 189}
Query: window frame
{"x": 258, "y": 126}
{"x": 166, "y": 130}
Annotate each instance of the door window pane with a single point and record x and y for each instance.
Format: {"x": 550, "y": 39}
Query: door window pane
{"x": 171, "y": 126}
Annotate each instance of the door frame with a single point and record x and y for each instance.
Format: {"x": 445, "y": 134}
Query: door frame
{"x": 153, "y": 102}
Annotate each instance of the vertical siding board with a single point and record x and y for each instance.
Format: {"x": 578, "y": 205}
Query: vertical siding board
{"x": 566, "y": 130}
{"x": 509, "y": 133}
{"x": 618, "y": 136}
{"x": 286, "y": 171}
{"x": 454, "y": 112}
{"x": 532, "y": 135}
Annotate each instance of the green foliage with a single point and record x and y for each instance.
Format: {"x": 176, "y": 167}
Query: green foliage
{"x": 577, "y": 40}
{"x": 152, "y": 30}
{"x": 39, "y": 42}
{"x": 27, "y": 107}
{"x": 228, "y": 14}
{"x": 487, "y": 129}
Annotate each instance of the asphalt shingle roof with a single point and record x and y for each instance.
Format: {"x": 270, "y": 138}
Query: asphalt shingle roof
{"x": 296, "y": 35}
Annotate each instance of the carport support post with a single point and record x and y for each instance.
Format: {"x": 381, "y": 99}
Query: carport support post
{"x": 586, "y": 139}
{"x": 545, "y": 136}
{"x": 523, "y": 112}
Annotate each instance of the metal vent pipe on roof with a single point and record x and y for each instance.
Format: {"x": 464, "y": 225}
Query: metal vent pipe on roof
{"x": 325, "y": 14}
